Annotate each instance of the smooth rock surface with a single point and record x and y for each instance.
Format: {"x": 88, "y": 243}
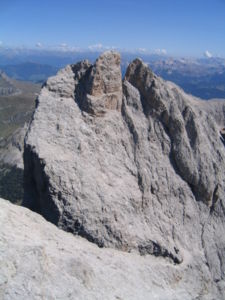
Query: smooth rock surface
{"x": 145, "y": 175}
{"x": 40, "y": 261}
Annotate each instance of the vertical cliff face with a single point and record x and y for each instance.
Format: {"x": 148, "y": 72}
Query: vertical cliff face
{"x": 137, "y": 165}
{"x": 193, "y": 133}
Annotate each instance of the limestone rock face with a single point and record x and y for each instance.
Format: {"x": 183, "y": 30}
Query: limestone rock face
{"x": 39, "y": 261}
{"x": 105, "y": 84}
{"x": 189, "y": 131}
{"x": 101, "y": 87}
{"x": 138, "y": 169}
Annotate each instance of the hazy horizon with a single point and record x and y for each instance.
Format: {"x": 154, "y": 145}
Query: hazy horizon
{"x": 65, "y": 50}
{"x": 174, "y": 28}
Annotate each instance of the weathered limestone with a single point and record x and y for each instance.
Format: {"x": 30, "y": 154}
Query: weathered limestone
{"x": 40, "y": 261}
{"x": 137, "y": 170}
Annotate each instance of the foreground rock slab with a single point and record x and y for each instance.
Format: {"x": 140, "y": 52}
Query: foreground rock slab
{"x": 40, "y": 261}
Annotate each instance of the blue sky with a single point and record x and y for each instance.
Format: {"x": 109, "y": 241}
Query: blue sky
{"x": 180, "y": 27}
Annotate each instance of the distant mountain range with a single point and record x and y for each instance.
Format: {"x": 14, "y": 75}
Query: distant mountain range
{"x": 29, "y": 71}
{"x": 202, "y": 77}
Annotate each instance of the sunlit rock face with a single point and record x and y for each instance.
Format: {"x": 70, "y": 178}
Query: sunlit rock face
{"x": 133, "y": 164}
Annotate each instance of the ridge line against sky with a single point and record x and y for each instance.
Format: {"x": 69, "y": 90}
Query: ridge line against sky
{"x": 174, "y": 27}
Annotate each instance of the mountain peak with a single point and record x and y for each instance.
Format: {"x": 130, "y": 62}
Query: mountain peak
{"x": 136, "y": 169}
{"x": 105, "y": 75}
{"x": 104, "y": 84}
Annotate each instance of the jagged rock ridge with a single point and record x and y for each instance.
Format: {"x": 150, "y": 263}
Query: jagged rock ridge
{"x": 134, "y": 164}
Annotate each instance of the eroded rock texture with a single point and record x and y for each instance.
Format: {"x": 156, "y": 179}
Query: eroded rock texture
{"x": 39, "y": 261}
{"x": 136, "y": 165}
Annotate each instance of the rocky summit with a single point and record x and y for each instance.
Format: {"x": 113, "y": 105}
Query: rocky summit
{"x": 135, "y": 165}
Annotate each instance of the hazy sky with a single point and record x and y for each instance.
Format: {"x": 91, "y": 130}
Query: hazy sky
{"x": 185, "y": 27}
